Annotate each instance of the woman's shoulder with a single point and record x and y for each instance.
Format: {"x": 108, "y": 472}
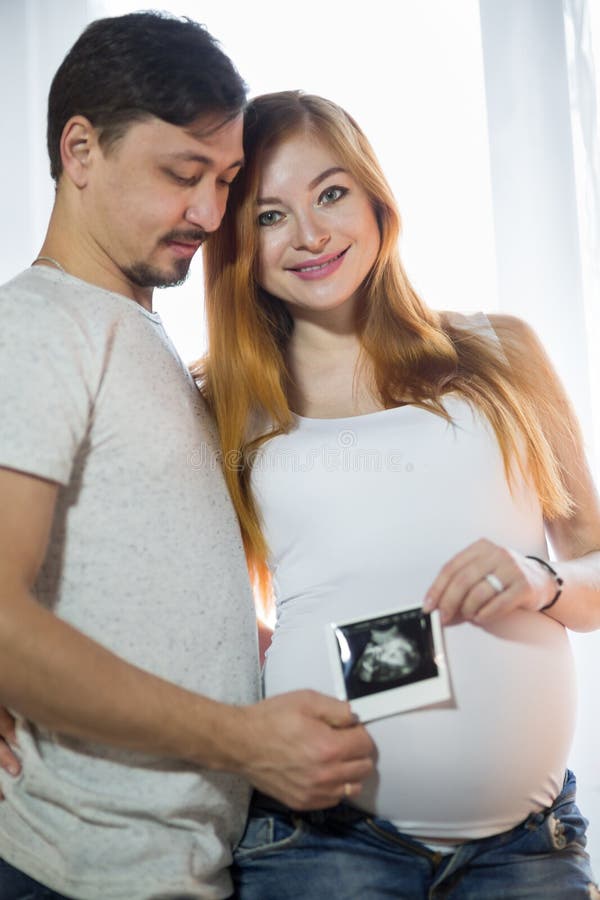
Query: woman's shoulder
{"x": 482, "y": 321}
{"x": 514, "y": 329}
{"x": 514, "y": 336}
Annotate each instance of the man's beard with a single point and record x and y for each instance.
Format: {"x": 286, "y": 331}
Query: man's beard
{"x": 145, "y": 275}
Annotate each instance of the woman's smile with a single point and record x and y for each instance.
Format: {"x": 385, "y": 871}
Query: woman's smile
{"x": 321, "y": 267}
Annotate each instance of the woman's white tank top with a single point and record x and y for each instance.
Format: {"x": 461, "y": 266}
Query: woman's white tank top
{"x": 360, "y": 514}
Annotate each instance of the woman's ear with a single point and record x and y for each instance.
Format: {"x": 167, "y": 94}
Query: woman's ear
{"x": 78, "y": 142}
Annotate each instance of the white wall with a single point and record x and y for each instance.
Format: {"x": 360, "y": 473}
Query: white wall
{"x": 467, "y": 104}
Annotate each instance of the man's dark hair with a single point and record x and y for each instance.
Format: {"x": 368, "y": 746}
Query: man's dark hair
{"x": 127, "y": 68}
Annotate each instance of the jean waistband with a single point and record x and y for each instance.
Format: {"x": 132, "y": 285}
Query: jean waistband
{"x": 343, "y": 812}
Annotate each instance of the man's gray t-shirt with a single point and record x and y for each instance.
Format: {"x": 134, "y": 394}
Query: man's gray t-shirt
{"x": 145, "y": 557}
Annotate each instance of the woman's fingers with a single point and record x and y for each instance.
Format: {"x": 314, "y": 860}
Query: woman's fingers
{"x": 459, "y": 590}
{"x": 483, "y": 582}
{"x": 7, "y": 726}
{"x": 8, "y": 761}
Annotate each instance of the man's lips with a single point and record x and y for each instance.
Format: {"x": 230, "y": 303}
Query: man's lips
{"x": 320, "y": 267}
{"x": 184, "y": 248}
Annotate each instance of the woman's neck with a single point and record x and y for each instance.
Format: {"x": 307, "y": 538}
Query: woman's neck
{"x": 329, "y": 377}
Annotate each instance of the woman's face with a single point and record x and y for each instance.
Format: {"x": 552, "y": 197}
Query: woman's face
{"x": 318, "y": 235}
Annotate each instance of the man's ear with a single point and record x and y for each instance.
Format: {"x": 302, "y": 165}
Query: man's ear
{"x": 78, "y": 144}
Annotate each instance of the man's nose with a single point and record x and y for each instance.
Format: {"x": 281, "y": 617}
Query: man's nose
{"x": 207, "y": 207}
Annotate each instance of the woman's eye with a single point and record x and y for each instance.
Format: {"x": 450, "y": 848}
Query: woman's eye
{"x": 271, "y": 217}
{"x": 332, "y": 194}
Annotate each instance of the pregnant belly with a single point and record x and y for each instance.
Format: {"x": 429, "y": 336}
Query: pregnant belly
{"x": 480, "y": 763}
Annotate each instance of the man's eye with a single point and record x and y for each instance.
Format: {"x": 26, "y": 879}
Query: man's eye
{"x": 331, "y": 194}
{"x": 229, "y": 181}
{"x": 182, "y": 179}
{"x": 271, "y": 217}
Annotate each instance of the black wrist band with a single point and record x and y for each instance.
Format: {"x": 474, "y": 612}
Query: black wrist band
{"x": 557, "y": 578}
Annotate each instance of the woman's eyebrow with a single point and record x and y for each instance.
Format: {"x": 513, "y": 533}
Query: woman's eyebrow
{"x": 334, "y": 170}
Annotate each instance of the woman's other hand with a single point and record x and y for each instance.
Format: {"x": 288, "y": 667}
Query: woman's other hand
{"x": 486, "y": 581}
{"x": 8, "y": 760}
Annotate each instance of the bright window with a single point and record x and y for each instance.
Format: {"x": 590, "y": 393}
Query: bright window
{"x": 411, "y": 73}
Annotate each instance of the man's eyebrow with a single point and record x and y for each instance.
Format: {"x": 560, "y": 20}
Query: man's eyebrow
{"x": 334, "y": 170}
{"x": 188, "y": 156}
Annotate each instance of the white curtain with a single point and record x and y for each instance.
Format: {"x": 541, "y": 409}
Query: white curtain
{"x": 34, "y": 36}
{"x": 543, "y": 133}
{"x": 538, "y": 249}
{"x": 485, "y": 116}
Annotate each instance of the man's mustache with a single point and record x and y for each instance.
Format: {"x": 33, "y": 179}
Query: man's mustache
{"x": 186, "y": 237}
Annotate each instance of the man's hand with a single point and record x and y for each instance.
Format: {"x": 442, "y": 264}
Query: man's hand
{"x": 303, "y": 748}
{"x": 8, "y": 760}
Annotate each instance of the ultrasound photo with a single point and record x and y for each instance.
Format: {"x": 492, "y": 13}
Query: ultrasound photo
{"x": 389, "y": 663}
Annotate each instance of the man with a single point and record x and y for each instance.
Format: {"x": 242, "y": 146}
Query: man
{"x": 127, "y": 635}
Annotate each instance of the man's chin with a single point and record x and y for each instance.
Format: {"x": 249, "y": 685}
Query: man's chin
{"x": 147, "y": 276}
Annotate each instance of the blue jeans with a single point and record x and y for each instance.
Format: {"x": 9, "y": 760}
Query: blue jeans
{"x": 346, "y": 855}
{"x": 16, "y": 885}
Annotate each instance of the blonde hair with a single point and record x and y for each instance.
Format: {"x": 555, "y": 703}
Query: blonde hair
{"x": 416, "y": 354}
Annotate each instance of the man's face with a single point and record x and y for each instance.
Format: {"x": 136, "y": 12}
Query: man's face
{"x": 156, "y": 194}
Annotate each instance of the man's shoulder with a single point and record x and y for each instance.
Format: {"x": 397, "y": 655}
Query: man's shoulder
{"x": 35, "y": 308}
{"x": 52, "y": 322}
{"x": 41, "y": 299}
{"x": 41, "y": 284}
{"x": 36, "y": 290}
{"x": 26, "y": 285}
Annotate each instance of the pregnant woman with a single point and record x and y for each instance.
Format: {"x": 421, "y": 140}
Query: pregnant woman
{"x": 382, "y": 456}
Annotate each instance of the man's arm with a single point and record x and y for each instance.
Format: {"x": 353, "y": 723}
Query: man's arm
{"x": 303, "y": 747}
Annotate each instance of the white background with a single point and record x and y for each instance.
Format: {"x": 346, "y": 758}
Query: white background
{"x": 498, "y": 193}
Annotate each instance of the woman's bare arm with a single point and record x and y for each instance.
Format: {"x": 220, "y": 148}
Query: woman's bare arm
{"x": 576, "y": 539}
{"x": 461, "y": 590}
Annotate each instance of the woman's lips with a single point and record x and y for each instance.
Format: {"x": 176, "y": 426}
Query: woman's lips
{"x": 313, "y": 269}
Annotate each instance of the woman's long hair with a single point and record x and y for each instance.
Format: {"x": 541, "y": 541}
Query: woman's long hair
{"x": 416, "y": 354}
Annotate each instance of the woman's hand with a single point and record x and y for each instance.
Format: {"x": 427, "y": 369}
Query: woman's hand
{"x": 8, "y": 761}
{"x": 485, "y": 582}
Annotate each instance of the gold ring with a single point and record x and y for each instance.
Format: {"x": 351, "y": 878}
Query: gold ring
{"x": 347, "y": 789}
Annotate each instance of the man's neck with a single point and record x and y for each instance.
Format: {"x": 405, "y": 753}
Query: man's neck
{"x": 69, "y": 258}
{"x": 69, "y": 243}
